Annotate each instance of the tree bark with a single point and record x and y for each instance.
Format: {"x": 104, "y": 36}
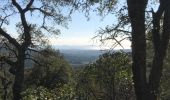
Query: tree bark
{"x": 136, "y": 11}
{"x": 160, "y": 53}
{"x": 19, "y": 75}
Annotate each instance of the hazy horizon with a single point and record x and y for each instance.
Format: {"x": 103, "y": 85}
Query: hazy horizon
{"x": 81, "y": 47}
{"x": 84, "y": 47}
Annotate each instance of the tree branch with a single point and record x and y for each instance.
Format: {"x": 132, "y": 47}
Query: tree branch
{"x": 156, "y": 26}
{"x": 35, "y": 61}
{"x": 27, "y": 38}
{"x": 160, "y": 53}
{"x": 42, "y": 11}
{"x": 17, "y": 5}
{"x": 5, "y": 17}
{"x": 9, "y": 38}
{"x": 9, "y": 62}
{"x": 29, "y": 5}
{"x": 7, "y": 46}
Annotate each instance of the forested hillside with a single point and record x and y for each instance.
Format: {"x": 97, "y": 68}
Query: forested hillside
{"x": 133, "y": 63}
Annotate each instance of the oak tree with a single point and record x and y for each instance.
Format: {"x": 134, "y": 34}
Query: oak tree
{"x": 48, "y": 15}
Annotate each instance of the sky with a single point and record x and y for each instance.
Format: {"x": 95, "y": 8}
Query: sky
{"x": 80, "y": 30}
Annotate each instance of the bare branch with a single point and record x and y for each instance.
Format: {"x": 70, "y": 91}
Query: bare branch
{"x": 9, "y": 38}
{"x": 27, "y": 38}
{"x": 42, "y": 11}
{"x": 17, "y": 5}
{"x": 124, "y": 31}
{"x": 35, "y": 61}
{"x": 29, "y": 5}
{"x": 11, "y": 49}
{"x": 4, "y": 19}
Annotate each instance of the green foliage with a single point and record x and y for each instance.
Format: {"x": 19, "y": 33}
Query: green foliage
{"x": 107, "y": 79}
{"x": 6, "y": 81}
{"x": 39, "y": 93}
{"x": 66, "y": 92}
{"x": 50, "y": 71}
{"x": 50, "y": 78}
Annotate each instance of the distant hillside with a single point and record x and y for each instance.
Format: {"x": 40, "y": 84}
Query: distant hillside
{"x": 80, "y": 57}
{"x": 81, "y": 54}
{"x": 76, "y": 47}
{"x": 76, "y": 55}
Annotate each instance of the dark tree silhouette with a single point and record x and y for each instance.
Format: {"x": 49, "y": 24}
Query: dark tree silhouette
{"x": 47, "y": 10}
{"x": 136, "y": 25}
{"x": 136, "y": 9}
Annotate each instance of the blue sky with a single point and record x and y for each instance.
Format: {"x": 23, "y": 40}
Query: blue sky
{"x": 80, "y": 30}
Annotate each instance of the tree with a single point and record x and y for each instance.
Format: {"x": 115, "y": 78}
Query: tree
{"x": 164, "y": 86}
{"x": 137, "y": 18}
{"x": 136, "y": 9}
{"x": 143, "y": 22}
{"x": 5, "y": 83}
{"x": 47, "y": 10}
{"x": 109, "y": 78}
{"x": 63, "y": 93}
{"x": 51, "y": 70}
{"x": 49, "y": 78}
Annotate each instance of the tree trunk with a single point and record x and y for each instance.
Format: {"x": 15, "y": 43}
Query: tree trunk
{"x": 136, "y": 11}
{"x": 160, "y": 53}
{"x": 19, "y": 75}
